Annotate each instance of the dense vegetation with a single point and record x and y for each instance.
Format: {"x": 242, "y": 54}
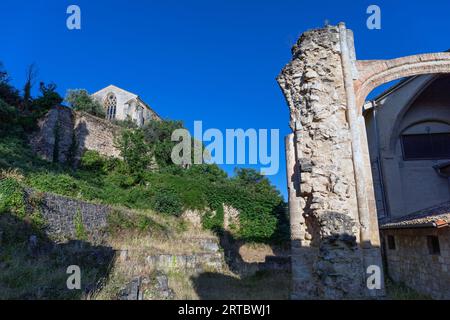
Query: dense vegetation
{"x": 145, "y": 178}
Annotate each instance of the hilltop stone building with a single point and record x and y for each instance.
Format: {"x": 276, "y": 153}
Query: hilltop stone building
{"x": 408, "y": 130}
{"x": 120, "y": 104}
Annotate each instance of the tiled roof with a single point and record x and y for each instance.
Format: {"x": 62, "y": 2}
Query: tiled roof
{"x": 433, "y": 217}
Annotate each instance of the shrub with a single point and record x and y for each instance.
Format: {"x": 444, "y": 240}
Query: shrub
{"x": 80, "y": 230}
{"x": 8, "y": 114}
{"x": 158, "y": 134}
{"x": 119, "y": 220}
{"x": 213, "y": 220}
{"x": 128, "y": 123}
{"x": 11, "y": 197}
{"x": 134, "y": 150}
{"x": 63, "y": 184}
{"x": 48, "y": 98}
{"x": 80, "y": 100}
{"x": 92, "y": 160}
{"x": 8, "y": 93}
{"x": 167, "y": 201}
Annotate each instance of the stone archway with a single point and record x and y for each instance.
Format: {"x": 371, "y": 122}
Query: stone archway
{"x": 334, "y": 227}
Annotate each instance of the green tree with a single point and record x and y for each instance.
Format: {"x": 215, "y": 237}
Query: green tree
{"x": 29, "y": 83}
{"x": 158, "y": 134}
{"x": 48, "y": 98}
{"x": 135, "y": 151}
{"x": 80, "y": 100}
{"x": 8, "y": 114}
{"x": 9, "y": 94}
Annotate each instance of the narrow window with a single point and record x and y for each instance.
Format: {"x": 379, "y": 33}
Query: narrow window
{"x": 391, "y": 242}
{"x": 111, "y": 106}
{"x": 433, "y": 245}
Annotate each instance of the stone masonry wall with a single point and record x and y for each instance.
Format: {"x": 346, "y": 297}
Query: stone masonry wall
{"x": 412, "y": 264}
{"x": 62, "y": 215}
{"x": 94, "y": 133}
{"x": 326, "y": 258}
{"x": 64, "y": 135}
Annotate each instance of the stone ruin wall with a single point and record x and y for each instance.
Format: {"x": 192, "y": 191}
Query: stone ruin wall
{"x": 64, "y": 135}
{"x": 326, "y": 257}
{"x": 334, "y": 226}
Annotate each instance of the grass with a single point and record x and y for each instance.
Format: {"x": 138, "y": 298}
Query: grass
{"x": 399, "y": 291}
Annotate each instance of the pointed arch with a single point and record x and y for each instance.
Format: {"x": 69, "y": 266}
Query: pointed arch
{"x": 110, "y": 105}
{"x": 372, "y": 74}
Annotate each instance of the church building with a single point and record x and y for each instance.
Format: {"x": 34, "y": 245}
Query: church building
{"x": 408, "y": 130}
{"x": 120, "y": 104}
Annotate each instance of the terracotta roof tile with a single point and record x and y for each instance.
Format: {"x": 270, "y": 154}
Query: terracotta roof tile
{"x": 433, "y": 217}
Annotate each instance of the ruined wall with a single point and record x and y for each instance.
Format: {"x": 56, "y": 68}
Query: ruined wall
{"x": 63, "y": 215}
{"x": 412, "y": 264}
{"x": 97, "y": 134}
{"x": 63, "y": 135}
{"x": 334, "y": 227}
{"x": 327, "y": 260}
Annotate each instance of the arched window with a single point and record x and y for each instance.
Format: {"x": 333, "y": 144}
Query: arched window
{"x": 111, "y": 106}
{"x": 426, "y": 141}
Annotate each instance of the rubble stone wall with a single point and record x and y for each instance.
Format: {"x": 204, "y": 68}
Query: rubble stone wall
{"x": 412, "y": 264}
{"x": 334, "y": 226}
{"x": 328, "y": 235}
{"x": 64, "y": 135}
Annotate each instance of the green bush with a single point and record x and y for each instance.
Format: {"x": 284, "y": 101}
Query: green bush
{"x": 8, "y": 113}
{"x": 119, "y": 220}
{"x": 167, "y": 201}
{"x": 80, "y": 100}
{"x": 92, "y": 160}
{"x": 48, "y": 98}
{"x": 80, "y": 230}
{"x": 135, "y": 151}
{"x": 11, "y": 197}
{"x": 61, "y": 183}
{"x": 213, "y": 220}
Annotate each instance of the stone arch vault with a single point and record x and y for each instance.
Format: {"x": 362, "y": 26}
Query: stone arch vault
{"x": 334, "y": 227}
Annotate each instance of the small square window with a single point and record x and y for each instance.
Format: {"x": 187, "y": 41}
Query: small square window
{"x": 433, "y": 245}
{"x": 391, "y": 242}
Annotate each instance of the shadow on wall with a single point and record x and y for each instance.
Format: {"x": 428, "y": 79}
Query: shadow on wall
{"x": 32, "y": 266}
{"x": 269, "y": 280}
{"x": 80, "y": 134}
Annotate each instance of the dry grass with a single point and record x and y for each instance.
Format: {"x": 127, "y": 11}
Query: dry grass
{"x": 182, "y": 238}
{"x": 14, "y": 174}
{"x": 169, "y": 235}
{"x": 229, "y": 286}
{"x": 399, "y": 291}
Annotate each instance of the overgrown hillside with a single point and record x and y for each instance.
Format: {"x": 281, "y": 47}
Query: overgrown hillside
{"x": 148, "y": 201}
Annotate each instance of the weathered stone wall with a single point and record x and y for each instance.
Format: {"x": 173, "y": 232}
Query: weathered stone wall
{"x": 64, "y": 135}
{"x": 231, "y": 220}
{"x": 412, "y": 264}
{"x": 334, "y": 227}
{"x": 94, "y": 133}
{"x": 62, "y": 215}
{"x": 327, "y": 236}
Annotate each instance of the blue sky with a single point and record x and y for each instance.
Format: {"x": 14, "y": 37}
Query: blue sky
{"x": 209, "y": 60}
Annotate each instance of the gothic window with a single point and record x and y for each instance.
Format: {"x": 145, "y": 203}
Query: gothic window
{"x": 111, "y": 106}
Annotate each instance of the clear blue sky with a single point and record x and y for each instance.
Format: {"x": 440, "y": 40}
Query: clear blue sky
{"x": 210, "y": 60}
